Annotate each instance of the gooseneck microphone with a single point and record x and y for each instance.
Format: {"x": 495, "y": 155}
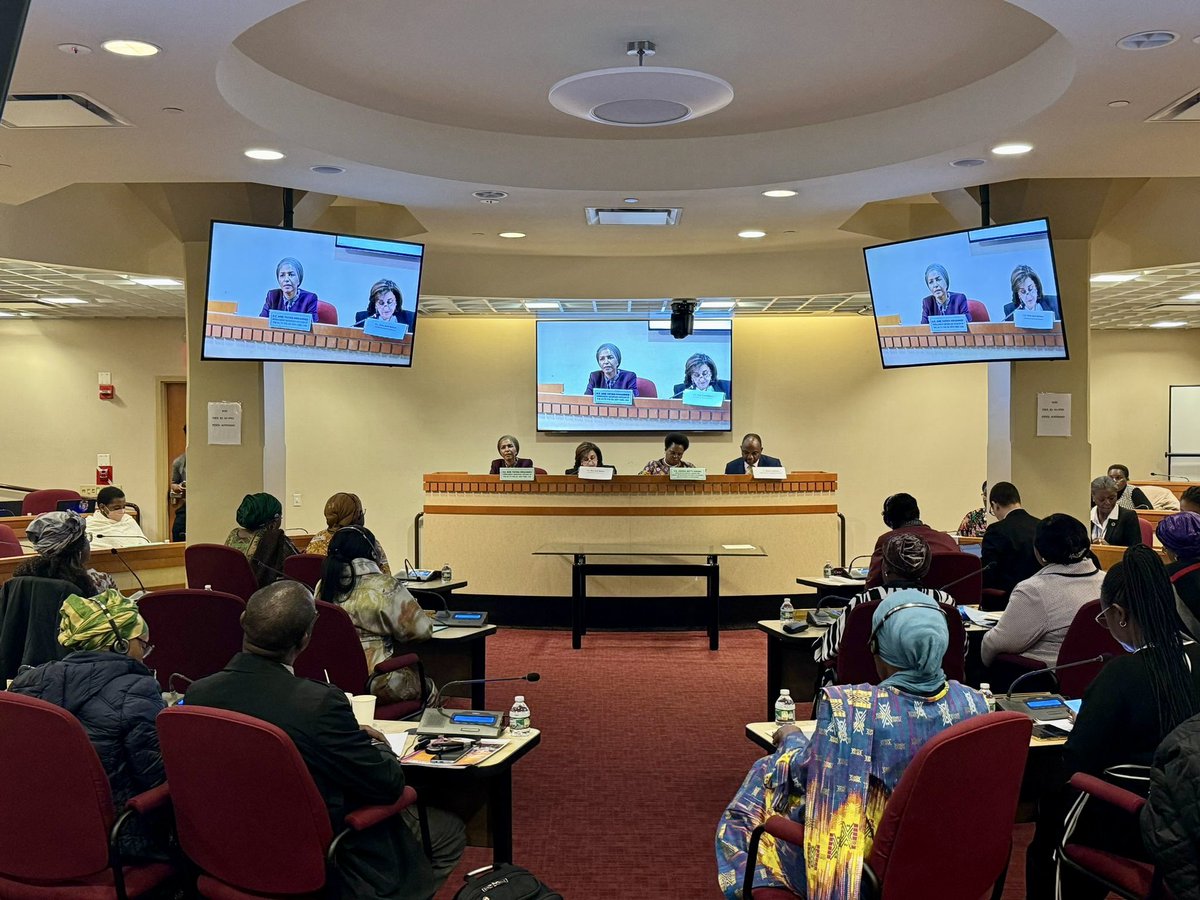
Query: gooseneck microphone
{"x": 441, "y": 693}
{"x": 1033, "y": 673}
{"x": 117, "y": 553}
{"x": 982, "y": 569}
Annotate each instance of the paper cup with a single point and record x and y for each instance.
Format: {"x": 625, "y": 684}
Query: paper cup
{"x": 364, "y": 708}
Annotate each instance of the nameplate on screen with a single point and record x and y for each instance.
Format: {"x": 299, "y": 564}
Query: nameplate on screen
{"x": 948, "y": 324}
{"x": 703, "y": 398}
{"x": 289, "y": 321}
{"x": 612, "y": 397}
{"x": 379, "y": 328}
{"x": 515, "y": 473}
{"x": 1034, "y": 318}
{"x": 596, "y": 473}
{"x": 770, "y": 473}
{"x": 681, "y": 473}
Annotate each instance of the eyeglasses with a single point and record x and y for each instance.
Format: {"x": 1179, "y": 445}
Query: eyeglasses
{"x": 147, "y": 649}
{"x": 1102, "y": 618}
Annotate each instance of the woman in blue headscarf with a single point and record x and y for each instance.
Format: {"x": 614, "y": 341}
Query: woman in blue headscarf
{"x": 837, "y": 782}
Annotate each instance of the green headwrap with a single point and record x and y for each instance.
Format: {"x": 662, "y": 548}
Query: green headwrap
{"x": 95, "y": 623}
{"x": 257, "y": 510}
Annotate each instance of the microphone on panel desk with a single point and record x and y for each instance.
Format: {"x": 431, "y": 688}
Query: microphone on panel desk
{"x": 437, "y": 720}
{"x": 1033, "y": 673}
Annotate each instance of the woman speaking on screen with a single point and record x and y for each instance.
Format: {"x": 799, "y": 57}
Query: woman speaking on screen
{"x": 610, "y": 376}
{"x": 941, "y": 300}
{"x": 288, "y": 297}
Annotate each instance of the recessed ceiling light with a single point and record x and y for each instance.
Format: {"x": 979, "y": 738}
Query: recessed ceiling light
{"x": 779, "y": 192}
{"x": 172, "y": 109}
{"x": 490, "y": 196}
{"x": 157, "y": 282}
{"x": 1015, "y": 148}
{"x": 1147, "y": 40}
{"x": 1190, "y": 297}
{"x": 1117, "y": 104}
{"x": 75, "y": 49}
{"x": 62, "y": 301}
{"x": 125, "y": 47}
{"x": 717, "y": 304}
{"x": 1114, "y": 277}
{"x": 542, "y": 304}
{"x": 512, "y": 234}
{"x": 7, "y": 315}
{"x": 752, "y": 233}
{"x": 631, "y": 199}
{"x": 1168, "y": 324}
{"x": 968, "y": 163}
{"x": 263, "y": 154}
{"x": 327, "y": 170}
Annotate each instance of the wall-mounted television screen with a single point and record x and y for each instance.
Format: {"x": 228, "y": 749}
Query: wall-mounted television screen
{"x": 287, "y": 295}
{"x": 613, "y": 376}
{"x": 983, "y": 295}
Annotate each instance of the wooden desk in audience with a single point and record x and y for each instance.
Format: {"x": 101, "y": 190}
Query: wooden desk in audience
{"x": 19, "y": 523}
{"x": 455, "y": 654}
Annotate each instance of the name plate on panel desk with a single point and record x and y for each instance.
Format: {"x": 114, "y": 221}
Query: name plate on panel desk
{"x": 772, "y": 473}
{"x": 948, "y": 324}
{"x": 289, "y": 321}
{"x": 703, "y": 398}
{"x": 379, "y": 328}
{"x": 680, "y": 473}
{"x": 1034, "y": 318}
{"x": 596, "y": 473}
{"x": 515, "y": 473}
{"x": 612, "y": 397}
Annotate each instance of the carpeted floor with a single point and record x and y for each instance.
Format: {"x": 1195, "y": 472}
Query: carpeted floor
{"x": 642, "y": 747}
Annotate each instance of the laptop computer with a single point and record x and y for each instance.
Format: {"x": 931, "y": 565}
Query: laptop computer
{"x": 83, "y": 507}
{"x": 11, "y": 507}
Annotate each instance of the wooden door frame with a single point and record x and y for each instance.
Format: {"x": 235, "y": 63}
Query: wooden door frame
{"x": 162, "y": 478}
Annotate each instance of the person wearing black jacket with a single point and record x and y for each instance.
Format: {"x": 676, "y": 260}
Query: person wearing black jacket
{"x": 351, "y": 765}
{"x": 1170, "y": 819}
{"x": 1008, "y": 542}
{"x": 1112, "y": 524}
{"x": 1128, "y": 496}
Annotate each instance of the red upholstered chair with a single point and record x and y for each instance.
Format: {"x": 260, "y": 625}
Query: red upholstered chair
{"x": 195, "y": 633}
{"x": 903, "y": 864}
{"x": 305, "y": 568}
{"x": 856, "y": 665}
{"x": 58, "y": 813}
{"x": 335, "y": 654}
{"x": 537, "y": 471}
{"x": 1147, "y": 532}
{"x": 326, "y": 313}
{"x": 646, "y": 388}
{"x": 219, "y": 567}
{"x": 9, "y": 545}
{"x": 979, "y": 312}
{"x": 963, "y": 568}
{"x": 246, "y": 809}
{"x": 38, "y": 502}
{"x": 1085, "y": 639}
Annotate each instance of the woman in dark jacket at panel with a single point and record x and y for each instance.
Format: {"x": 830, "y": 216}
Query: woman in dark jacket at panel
{"x": 103, "y": 683}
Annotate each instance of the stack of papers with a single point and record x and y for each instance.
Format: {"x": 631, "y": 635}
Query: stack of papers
{"x": 978, "y": 617}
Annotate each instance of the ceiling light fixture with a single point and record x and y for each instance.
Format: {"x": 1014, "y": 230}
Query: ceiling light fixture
{"x": 717, "y": 304}
{"x": 1015, "y": 148}
{"x": 490, "y": 196}
{"x": 1114, "y": 277}
{"x": 1147, "y": 40}
{"x": 1117, "y": 104}
{"x": 262, "y": 153}
{"x": 1190, "y": 297}
{"x": 1168, "y": 324}
{"x": 75, "y": 49}
{"x": 126, "y": 47}
{"x": 157, "y": 282}
{"x": 7, "y": 315}
{"x": 62, "y": 301}
{"x": 752, "y": 233}
{"x": 327, "y": 170}
{"x": 542, "y": 304}
{"x": 631, "y": 200}
{"x": 512, "y": 234}
{"x": 779, "y": 192}
{"x": 969, "y": 163}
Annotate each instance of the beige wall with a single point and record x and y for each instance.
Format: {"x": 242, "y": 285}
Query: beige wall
{"x": 1131, "y": 371}
{"x": 55, "y": 421}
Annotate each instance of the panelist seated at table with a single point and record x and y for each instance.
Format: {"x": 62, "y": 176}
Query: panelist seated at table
{"x": 752, "y": 456}
{"x": 902, "y": 514}
{"x": 1111, "y": 524}
{"x": 941, "y": 300}
{"x": 838, "y": 781}
{"x": 1027, "y": 295}
{"x": 674, "y": 446}
{"x": 288, "y": 296}
{"x": 385, "y": 303}
{"x": 508, "y": 447}
{"x": 110, "y": 526}
{"x": 610, "y": 376}
{"x": 700, "y": 374}
{"x": 589, "y": 454}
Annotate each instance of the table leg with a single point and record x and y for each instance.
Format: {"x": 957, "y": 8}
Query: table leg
{"x": 500, "y": 813}
{"x": 578, "y": 583}
{"x": 774, "y": 674}
{"x": 714, "y": 603}
{"x": 479, "y": 670}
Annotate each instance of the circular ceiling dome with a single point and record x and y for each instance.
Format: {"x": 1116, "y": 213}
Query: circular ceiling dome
{"x": 641, "y": 97}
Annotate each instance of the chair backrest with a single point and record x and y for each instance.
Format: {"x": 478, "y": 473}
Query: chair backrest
{"x": 856, "y": 665}
{"x": 43, "y": 501}
{"x": 29, "y": 609}
{"x": 305, "y": 568}
{"x": 979, "y": 312}
{"x": 195, "y": 633}
{"x": 1085, "y": 638}
{"x": 1147, "y": 532}
{"x": 335, "y": 653}
{"x": 9, "y": 545}
{"x": 537, "y": 471}
{"x": 646, "y": 388}
{"x": 931, "y": 798}
{"x": 964, "y": 568}
{"x": 224, "y": 568}
{"x": 326, "y": 313}
{"x": 56, "y": 803}
{"x": 246, "y": 809}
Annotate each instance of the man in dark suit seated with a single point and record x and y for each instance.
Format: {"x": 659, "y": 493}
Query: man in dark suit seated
{"x": 1112, "y": 523}
{"x": 902, "y": 514}
{"x": 1008, "y": 542}
{"x": 752, "y": 456}
{"x": 352, "y": 765}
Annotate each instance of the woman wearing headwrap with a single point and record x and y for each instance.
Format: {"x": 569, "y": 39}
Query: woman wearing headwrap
{"x": 837, "y": 782}
{"x": 60, "y": 539}
{"x": 906, "y": 560}
{"x": 1180, "y": 536}
{"x": 260, "y": 537}
{"x": 382, "y": 609}
{"x": 342, "y": 510}
{"x": 103, "y": 683}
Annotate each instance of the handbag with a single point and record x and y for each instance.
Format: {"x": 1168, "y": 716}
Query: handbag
{"x": 504, "y": 882}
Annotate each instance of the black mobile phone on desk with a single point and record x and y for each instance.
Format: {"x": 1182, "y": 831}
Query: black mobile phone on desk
{"x": 795, "y": 627}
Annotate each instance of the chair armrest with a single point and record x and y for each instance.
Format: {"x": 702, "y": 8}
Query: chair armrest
{"x": 1100, "y": 789}
{"x": 367, "y": 816}
{"x": 394, "y": 663}
{"x": 785, "y": 829}
{"x": 148, "y": 801}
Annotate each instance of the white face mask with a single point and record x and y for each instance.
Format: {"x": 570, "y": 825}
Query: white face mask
{"x": 1128, "y": 648}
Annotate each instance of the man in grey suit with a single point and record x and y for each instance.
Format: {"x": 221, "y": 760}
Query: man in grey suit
{"x": 752, "y": 456}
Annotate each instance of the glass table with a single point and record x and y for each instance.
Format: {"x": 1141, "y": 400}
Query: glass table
{"x": 656, "y": 560}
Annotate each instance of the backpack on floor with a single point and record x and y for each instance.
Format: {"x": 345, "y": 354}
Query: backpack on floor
{"x": 504, "y": 882}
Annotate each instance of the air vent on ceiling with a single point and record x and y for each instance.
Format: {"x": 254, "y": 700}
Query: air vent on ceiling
{"x": 1185, "y": 109}
{"x": 57, "y": 111}
{"x": 626, "y": 216}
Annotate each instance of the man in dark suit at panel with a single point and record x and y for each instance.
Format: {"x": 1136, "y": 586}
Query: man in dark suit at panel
{"x": 1008, "y": 542}
{"x": 752, "y": 456}
{"x": 351, "y": 764}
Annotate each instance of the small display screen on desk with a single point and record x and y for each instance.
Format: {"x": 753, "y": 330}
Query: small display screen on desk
{"x": 474, "y": 719}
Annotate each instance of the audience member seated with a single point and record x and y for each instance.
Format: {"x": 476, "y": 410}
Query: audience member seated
{"x": 674, "y": 446}
{"x": 752, "y": 455}
{"x": 508, "y": 447}
{"x": 1136, "y": 701}
{"x": 352, "y": 765}
{"x": 1189, "y": 500}
{"x": 839, "y": 781}
{"x": 1180, "y": 536}
{"x": 1128, "y": 496}
{"x": 260, "y": 537}
{"x": 382, "y": 609}
{"x": 906, "y": 561}
{"x": 103, "y": 683}
{"x": 1008, "y": 542}
{"x": 975, "y": 523}
{"x": 588, "y": 454}
{"x": 1112, "y": 524}
{"x": 1170, "y": 820}
{"x": 1042, "y": 607}
{"x": 901, "y": 514}
{"x": 60, "y": 539}
{"x": 341, "y": 511}
{"x": 110, "y": 526}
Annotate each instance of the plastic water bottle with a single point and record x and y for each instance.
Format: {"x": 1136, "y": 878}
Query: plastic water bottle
{"x": 447, "y": 574}
{"x": 518, "y": 717}
{"x": 208, "y": 587}
{"x": 986, "y": 690}
{"x": 785, "y": 708}
{"x": 828, "y": 569}
{"x": 786, "y": 611}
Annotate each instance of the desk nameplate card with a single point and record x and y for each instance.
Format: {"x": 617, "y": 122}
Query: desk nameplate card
{"x": 771, "y": 473}
{"x": 612, "y": 397}
{"x": 515, "y": 473}
{"x": 684, "y": 473}
{"x": 289, "y": 321}
{"x": 596, "y": 473}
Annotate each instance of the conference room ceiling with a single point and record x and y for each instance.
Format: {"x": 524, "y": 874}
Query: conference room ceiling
{"x": 422, "y": 104}
{"x": 35, "y": 291}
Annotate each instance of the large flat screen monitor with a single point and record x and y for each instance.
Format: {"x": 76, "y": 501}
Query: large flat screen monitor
{"x": 615, "y": 376}
{"x": 984, "y": 295}
{"x": 287, "y": 295}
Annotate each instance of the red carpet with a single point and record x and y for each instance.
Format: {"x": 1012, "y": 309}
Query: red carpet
{"x": 642, "y": 747}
